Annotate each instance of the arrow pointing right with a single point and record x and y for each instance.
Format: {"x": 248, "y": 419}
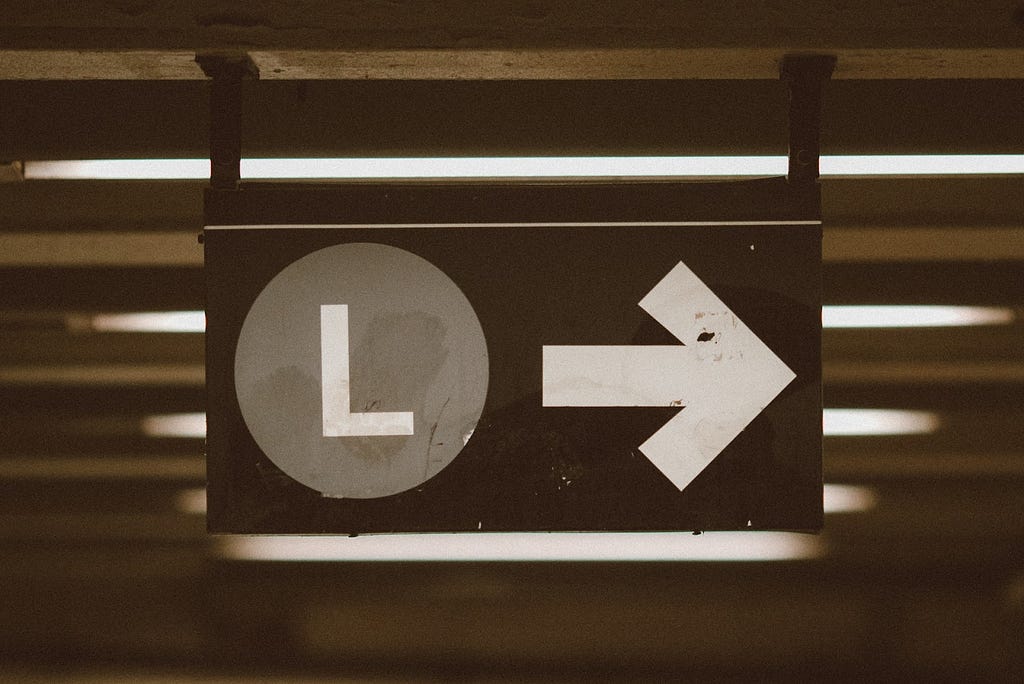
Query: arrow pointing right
{"x": 723, "y": 375}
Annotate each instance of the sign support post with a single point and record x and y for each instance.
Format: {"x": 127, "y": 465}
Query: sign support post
{"x": 806, "y": 76}
{"x": 227, "y": 72}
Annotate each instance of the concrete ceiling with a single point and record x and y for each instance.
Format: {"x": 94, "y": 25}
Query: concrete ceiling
{"x": 463, "y": 39}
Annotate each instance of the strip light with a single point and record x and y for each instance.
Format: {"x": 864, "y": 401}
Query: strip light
{"x": 836, "y": 499}
{"x": 534, "y": 547}
{"x": 912, "y": 316}
{"x": 831, "y": 317}
{"x": 922, "y": 164}
{"x": 179, "y": 425}
{"x": 840, "y": 498}
{"x": 528, "y": 546}
{"x": 877, "y": 422}
{"x": 151, "y": 321}
{"x": 191, "y": 501}
{"x": 118, "y": 169}
{"x": 835, "y": 423}
{"x": 523, "y": 167}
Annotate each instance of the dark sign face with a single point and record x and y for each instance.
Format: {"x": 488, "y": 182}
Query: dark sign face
{"x": 471, "y": 357}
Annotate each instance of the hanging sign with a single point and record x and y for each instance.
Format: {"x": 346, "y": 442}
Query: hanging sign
{"x": 463, "y": 357}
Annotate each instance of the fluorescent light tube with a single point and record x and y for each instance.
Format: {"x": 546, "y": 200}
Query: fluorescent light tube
{"x": 151, "y": 322}
{"x": 839, "y": 498}
{"x": 409, "y": 167}
{"x": 523, "y": 167}
{"x": 191, "y": 501}
{"x": 832, "y": 316}
{"x": 921, "y": 164}
{"x": 836, "y": 422}
{"x": 182, "y": 425}
{"x": 513, "y": 167}
{"x": 877, "y": 422}
{"x": 912, "y": 316}
{"x": 528, "y": 546}
{"x": 118, "y": 169}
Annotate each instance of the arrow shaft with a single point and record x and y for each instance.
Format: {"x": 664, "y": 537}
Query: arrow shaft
{"x": 597, "y": 375}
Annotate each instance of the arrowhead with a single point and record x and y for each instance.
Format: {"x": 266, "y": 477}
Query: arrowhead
{"x": 736, "y": 376}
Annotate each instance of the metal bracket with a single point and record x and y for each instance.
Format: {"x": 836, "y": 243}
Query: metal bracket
{"x": 12, "y": 172}
{"x": 806, "y": 76}
{"x": 227, "y": 71}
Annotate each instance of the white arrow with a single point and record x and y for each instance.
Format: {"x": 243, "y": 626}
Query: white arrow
{"x": 723, "y": 375}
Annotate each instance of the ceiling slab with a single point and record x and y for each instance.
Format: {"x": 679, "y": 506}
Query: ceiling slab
{"x": 468, "y": 39}
{"x": 180, "y": 248}
{"x": 520, "y": 64}
{"x": 472, "y": 24}
{"x": 154, "y": 119}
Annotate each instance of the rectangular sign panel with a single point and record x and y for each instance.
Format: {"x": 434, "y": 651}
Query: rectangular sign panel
{"x": 466, "y": 357}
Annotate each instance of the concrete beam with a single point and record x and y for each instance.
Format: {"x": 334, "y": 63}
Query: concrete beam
{"x": 847, "y": 244}
{"x": 96, "y": 248}
{"x": 521, "y": 64}
{"x": 474, "y": 39}
{"x": 507, "y": 24}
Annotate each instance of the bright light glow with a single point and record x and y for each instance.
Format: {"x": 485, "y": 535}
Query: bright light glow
{"x": 836, "y": 423}
{"x": 877, "y": 422}
{"x": 912, "y": 316}
{"x": 921, "y": 164}
{"x": 837, "y": 499}
{"x": 191, "y": 501}
{"x": 119, "y": 169}
{"x": 524, "y": 167}
{"x": 832, "y": 316}
{"x": 846, "y": 498}
{"x": 151, "y": 321}
{"x": 188, "y": 425}
{"x": 513, "y": 167}
{"x": 528, "y": 546}
{"x": 411, "y": 167}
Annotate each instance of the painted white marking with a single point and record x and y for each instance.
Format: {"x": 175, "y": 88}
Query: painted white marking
{"x": 723, "y": 375}
{"x": 338, "y": 418}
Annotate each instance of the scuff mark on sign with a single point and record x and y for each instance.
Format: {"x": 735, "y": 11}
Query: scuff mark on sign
{"x": 430, "y": 439}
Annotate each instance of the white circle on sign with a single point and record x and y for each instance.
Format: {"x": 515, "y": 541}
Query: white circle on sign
{"x": 361, "y": 370}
